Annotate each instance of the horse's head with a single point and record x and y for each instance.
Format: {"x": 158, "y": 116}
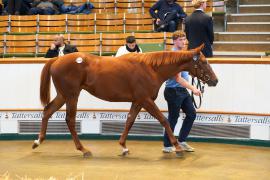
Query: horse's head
{"x": 201, "y": 69}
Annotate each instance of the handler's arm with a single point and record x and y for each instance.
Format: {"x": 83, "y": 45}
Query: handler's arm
{"x": 186, "y": 84}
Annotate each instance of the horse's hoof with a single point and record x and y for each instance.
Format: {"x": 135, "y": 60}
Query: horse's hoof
{"x": 125, "y": 152}
{"x": 179, "y": 154}
{"x": 34, "y": 146}
{"x": 87, "y": 154}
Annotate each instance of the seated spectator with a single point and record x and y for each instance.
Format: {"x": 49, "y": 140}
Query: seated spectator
{"x": 47, "y": 7}
{"x": 72, "y": 9}
{"x": 168, "y": 15}
{"x": 60, "y": 48}
{"x": 1, "y": 9}
{"x": 16, "y": 7}
{"x": 131, "y": 46}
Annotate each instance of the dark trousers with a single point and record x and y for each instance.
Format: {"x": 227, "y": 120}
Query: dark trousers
{"x": 17, "y": 7}
{"x": 14, "y": 6}
{"x": 46, "y": 11}
{"x": 179, "y": 98}
{"x": 170, "y": 22}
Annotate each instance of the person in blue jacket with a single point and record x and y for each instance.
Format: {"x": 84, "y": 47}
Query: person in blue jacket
{"x": 167, "y": 15}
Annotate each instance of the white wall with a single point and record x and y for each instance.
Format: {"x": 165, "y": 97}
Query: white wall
{"x": 241, "y": 88}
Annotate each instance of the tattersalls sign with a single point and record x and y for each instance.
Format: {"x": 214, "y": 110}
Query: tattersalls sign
{"x": 232, "y": 119}
{"x": 96, "y": 115}
{"x": 91, "y": 120}
{"x": 37, "y": 115}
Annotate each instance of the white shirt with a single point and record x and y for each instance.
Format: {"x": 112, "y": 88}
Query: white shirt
{"x": 123, "y": 50}
{"x": 61, "y": 51}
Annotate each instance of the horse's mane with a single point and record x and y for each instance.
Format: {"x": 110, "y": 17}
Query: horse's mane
{"x": 159, "y": 58}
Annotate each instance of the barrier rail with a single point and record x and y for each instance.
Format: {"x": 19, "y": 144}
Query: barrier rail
{"x": 219, "y": 60}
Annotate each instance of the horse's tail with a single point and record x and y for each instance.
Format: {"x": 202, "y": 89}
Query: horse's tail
{"x": 45, "y": 82}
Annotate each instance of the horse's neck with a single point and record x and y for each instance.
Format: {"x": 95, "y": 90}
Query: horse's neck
{"x": 167, "y": 71}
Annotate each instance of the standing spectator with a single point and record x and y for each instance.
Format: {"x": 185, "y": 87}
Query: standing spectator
{"x": 17, "y": 7}
{"x": 60, "y": 48}
{"x": 178, "y": 97}
{"x": 131, "y": 46}
{"x": 168, "y": 15}
{"x": 199, "y": 28}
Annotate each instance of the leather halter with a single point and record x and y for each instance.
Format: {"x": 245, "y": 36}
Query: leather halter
{"x": 199, "y": 74}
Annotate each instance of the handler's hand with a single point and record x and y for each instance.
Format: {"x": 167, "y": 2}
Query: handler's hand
{"x": 196, "y": 91}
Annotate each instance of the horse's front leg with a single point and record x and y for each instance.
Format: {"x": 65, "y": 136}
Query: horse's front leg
{"x": 133, "y": 112}
{"x": 51, "y": 108}
{"x": 152, "y": 108}
{"x": 71, "y": 108}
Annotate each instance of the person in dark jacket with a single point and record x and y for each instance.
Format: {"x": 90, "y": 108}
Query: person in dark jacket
{"x": 199, "y": 28}
{"x": 17, "y": 7}
{"x": 60, "y": 48}
{"x": 168, "y": 15}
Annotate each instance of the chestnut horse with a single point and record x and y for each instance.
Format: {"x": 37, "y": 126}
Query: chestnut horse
{"x": 133, "y": 77}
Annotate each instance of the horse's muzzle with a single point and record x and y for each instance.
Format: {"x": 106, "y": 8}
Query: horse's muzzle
{"x": 212, "y": 82}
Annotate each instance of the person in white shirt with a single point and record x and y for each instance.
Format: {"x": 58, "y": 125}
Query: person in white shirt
{"x": 131, "y": 46}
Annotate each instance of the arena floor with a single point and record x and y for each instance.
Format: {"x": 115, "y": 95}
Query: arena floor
{"x": 59, "y": 160}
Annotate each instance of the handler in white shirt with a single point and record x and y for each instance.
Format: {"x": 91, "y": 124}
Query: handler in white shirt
{"x": 130, "y": 46}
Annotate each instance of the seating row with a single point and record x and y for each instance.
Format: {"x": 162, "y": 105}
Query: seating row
{"x": 96, "y": 22}
{"x": 91, "y": 23}
{"x": 34, "y": 45}
{"x": 141, "y": 6}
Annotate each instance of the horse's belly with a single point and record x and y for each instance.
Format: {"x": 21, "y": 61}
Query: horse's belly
{"x": 111, "y": 94}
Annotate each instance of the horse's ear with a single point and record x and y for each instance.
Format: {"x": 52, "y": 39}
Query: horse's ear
{"x": 198, "y": 49}
{"x": 201, "y": 47}
{"x": 197, "y": 52}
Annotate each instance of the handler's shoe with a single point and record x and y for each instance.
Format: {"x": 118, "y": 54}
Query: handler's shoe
{"x": 186, "y": 147}
{"x": 168, "y": 149}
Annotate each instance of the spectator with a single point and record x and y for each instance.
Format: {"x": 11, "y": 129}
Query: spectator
{"x": 1, "y": 9}
{"x": 72, "y": 9}
{"x": 199, "y": 28}
{"x": 60, "y": 48}
{"x": 131, "y": 46}
{"x": 47, "y": 7}
{"x": 17, "y": 7}
{"x": 177, "y": 98}
{"x": 168, "y": 15}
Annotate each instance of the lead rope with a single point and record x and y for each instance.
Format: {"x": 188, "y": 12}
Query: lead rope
{"x": 199, "y": 86}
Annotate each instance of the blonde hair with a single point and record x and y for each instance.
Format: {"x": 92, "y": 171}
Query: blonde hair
{"x": 178, "y": 34}
{"x": 198, "y": 3}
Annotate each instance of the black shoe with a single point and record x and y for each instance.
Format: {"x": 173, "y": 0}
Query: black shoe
{"x": 161, "y": 27}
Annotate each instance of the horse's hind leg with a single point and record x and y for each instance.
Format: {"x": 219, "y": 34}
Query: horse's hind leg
{"x": 134, "y": 110}
{"x": 152, "y": 108}
{"x": 71, "y": 108}
{"x": 51, "y": 108}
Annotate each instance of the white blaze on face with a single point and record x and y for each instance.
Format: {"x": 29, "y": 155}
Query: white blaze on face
{"x": 79, "y": 60}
